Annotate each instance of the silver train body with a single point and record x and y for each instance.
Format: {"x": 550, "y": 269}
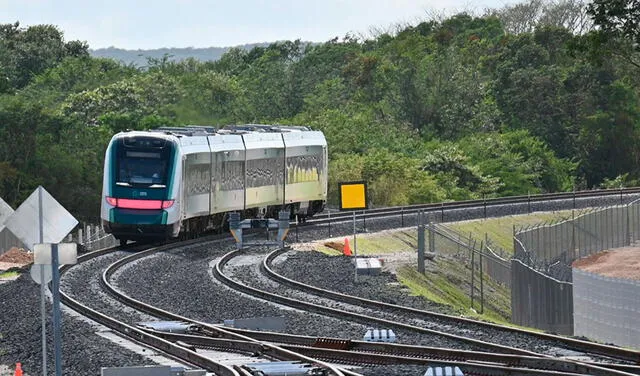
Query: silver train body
{"x": 176, "y": 181}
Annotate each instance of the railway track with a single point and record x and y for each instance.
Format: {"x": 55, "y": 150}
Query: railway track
{"x": 181, "y": 349}
{"x": 329, "y": 309}
{"x": 174, "y": 350}
{"x": 367, "y": 353}
{"x": 612, "y": 352}
{"x": 444, "y": 211}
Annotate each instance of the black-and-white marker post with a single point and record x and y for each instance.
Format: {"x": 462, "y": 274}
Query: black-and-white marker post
{"x": 55, "y": 255}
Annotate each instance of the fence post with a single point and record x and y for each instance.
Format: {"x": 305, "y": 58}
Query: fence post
{"x": 420, "y": 242}
{"x": 620, "y": 195}
{"x": 432, "y": 239}
{"x": 628, "y": 227}
{"x": 485, "y": 205}
{"x": 297, "y": 229}
{"x": 514, "y": 241}
{"x": 573, "y": 236}
{"x": 481, "y": 281}
{"x": 364, "y": 220}
{"x": 472, "y": 273}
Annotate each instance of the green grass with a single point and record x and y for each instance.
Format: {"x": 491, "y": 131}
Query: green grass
{"x": 374, "y": 244}
{"x": 500, "y": 230}
{"x": 447, "y": 278}
{"x": 8, "y": 274}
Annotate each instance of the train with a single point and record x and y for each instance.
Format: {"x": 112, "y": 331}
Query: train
{"x": 175, "y": 182}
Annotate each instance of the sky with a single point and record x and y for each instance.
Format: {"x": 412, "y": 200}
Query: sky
{"x": 144, "y": 24}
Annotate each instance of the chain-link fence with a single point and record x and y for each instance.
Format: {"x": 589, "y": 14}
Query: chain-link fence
{"x": 540, "y": 301}
{"x": 91, "y": 237}
{"x": 542, "y": 289}
{"x": 486, "y": 267}
{"x": 606, "y": 308}
{"x": 551, "y": 247}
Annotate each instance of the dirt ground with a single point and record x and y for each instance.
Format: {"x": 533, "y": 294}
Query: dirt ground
{"x": 617, "y": 263}
{"x": 15, "y": 258}
{"x": 391, "y": 261}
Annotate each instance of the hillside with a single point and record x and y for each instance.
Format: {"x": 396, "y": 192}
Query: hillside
{"x": 139, "y": 57}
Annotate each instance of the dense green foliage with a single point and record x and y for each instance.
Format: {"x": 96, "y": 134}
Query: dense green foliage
{"x": 459, "y": 108}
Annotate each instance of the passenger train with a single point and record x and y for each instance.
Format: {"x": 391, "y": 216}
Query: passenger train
{"x": 181, "y": 181}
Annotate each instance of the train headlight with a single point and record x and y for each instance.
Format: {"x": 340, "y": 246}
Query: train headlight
{"x": 128, "y": 203}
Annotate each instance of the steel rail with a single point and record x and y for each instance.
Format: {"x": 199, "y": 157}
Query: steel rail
{"x": 440, "y": 353}
{"x": 348, "y": 351}
{"x": 138, "y": 335}
{"x": 575, "y": 344}
{"x": 364, "y": 319}
{"x": 280, "y": 353}
{"x": 321, "y": 218}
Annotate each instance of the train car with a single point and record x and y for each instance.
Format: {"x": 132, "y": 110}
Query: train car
{"x": 181, "y": 181}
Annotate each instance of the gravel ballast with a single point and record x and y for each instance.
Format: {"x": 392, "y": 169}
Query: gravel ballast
{"x": 180, "y": 281}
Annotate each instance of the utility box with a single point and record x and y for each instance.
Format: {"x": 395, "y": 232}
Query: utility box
{"x": 151, "y": 371}
{"x": 444, "y": 371}
{"x": 368, "y": 266}
{"x": 284, "y": 368}
{"x": 379, "y": 335}
{"x": 275, "y": 323}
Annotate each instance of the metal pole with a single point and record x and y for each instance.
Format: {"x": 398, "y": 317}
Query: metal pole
{"x": 355, "y": 247}
{"x": 481, "y": 282}
{"x": 364, "y": 220}
{"x": 432, "y": 239}
{"x": 627, "y": 237}
{"x": 573, "y": 236}
{"x": 43, "y": 312}
{"x": 329, "y": 216}
{"x": 485, "y": 206}
{"x": 420, "y": 242}
{"x": 57, "y": 332}
{"x": 472, "y": 273}
{"x": 296, "y": 228}
{"x": 620, "y": 195}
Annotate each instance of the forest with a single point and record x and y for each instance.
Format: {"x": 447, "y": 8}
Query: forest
{"x": 540, "y": 96}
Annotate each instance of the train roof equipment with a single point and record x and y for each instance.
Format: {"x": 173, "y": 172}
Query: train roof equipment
{"x": 207, "y": 130}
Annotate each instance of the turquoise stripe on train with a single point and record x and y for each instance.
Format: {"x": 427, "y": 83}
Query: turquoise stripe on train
{"x": 138, "y": 217}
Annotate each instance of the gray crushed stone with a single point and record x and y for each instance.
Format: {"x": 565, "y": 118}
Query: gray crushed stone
{"x": 84, "y": 352}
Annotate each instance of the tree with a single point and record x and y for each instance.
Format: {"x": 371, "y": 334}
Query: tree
{"x": 618, "y": 18}
{"x": 526, "y": 17}
{"x": 619, "y": 21}
{"x": 33, "y": 50}
{"x": 126, "y": 102}
{"x": 610, "y": 138}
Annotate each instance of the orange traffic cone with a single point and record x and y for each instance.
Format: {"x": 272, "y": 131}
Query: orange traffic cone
{"x": 347, "y": 248}
{"x": 18, "y": 370}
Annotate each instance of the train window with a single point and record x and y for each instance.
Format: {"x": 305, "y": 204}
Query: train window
{"x": 141, "y": 154}
{"x": 142, "y": 168}
{"x": 143, "y": 142}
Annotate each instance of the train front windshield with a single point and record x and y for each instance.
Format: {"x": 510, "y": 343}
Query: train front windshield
{"x": 143, "y": 162}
